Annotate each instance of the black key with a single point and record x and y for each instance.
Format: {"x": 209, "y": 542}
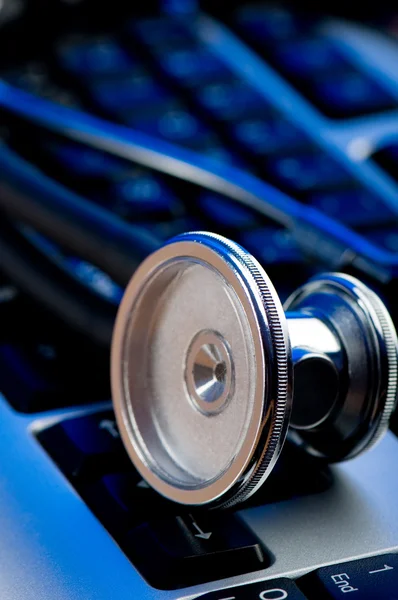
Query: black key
{"x": 267, "y": 24}
{"x": 172, "y": 122}
{"x": 136, "y": 90}
{"x": 226, "y": 213}
{"x": 366, "y": 579}
{"x": 158, "y": 31}
{"x": 387, "y": 158}
{"x": 24, "y": 386}
{"x": 43, "y": 365}
{"x": 271, "y": 245}
{"x": 309, "y": 57}
{"x": 356, "y": 206}
{"x": 308, "y": 171}
{"x": 139, "y": 192}
{"x": 194, "y": 549}
{"x": 34, "y": 78}
{"x": 216, "y": 151}
{"x": 274, "y": 589}
{"x": 166, "y": 229}
{"x": 123, "y": 500}
{"x": 86, "y": 447}
{"x": 84, "y": 161}
{"x": 268, "y": 134}
{"x": 386, "y": 237}
{"x": 231, "y": 99}
{"x": 192, "y": 65}
{"x": 94, "y": 57}
{"x": 351, "y": 93}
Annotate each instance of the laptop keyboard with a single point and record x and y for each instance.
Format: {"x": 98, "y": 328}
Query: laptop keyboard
{"x": 276, "y": 94}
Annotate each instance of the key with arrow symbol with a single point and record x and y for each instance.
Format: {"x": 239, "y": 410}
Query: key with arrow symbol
{"x": 200, "y": 533}
{"x": 193, "y": 547}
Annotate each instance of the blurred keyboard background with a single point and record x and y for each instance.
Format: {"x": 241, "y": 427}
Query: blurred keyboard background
{"x": 254, "y": 95}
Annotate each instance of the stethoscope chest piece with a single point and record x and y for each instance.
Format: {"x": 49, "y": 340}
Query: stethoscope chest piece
{"x": 203, "y": 358}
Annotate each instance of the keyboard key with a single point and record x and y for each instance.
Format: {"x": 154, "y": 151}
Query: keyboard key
{"x": 192, "y": 66}
{"x": 226, "y": 213}
{"x": 164, "y": 230}
{"x": 365, "y": 579}
{"x": 43, "y": 365}
{"x": 119, "y": 95}
{"x": 138, "y": 192}
{"x": 34, "y": 78}
{"x": 308, "y": 171}
{"x": 24, "y": 386}
{"x": 85, "y": 161}
{"x": 387, "y": 158}
{"x": 387, "y": 237}
{"x": 213, "y": 149}
{"x": 267, "y": 24}
{"x": 355, "y": 207}
{"x": 86, "y": 447}
{"x": 172, "y": 123}
{"x": 350, "y": 93}
{"x": 191, "y": 549}
{"x": 309, "y": 57}
{"x": 274, "y": 589}
{"x": 161, "y": 31}
{"x": 122, "y": 500}
{"x": 270, "y": 245}
{"x": 231, "y": 100}
{"x": 93, "y": 57}
{"x": 114, "y": 509}
{"x": 267, "y": 135}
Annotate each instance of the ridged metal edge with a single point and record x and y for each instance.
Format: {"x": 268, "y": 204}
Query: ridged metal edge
{"x": 390, "y": 340}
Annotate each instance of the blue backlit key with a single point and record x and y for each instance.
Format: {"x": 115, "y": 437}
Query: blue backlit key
{"x": 139, "y": 192}
{"x": 308, "y": 171}
{"x": 161, "y": 31}
{"x": 309, "y": 57}
{"x": 213, "y": 148}
{"x": 266, "y": 135}
{"x": 165, "y": 230}
{"x": 271, "y": 245}
{"x": 100, "y": 56}
{"x": 355, "y": 207}
{"x": 226, "y": 212}
{"x": 85, "y": 161}
{"x": 173, "y": 123}
{"x": 231, "y": 99}
{"x": 267, "y": 24}
{"x": 125, "y": 93}
{"x": 351, "y": 92}
{"x": 387, "y": 237}
{"x": 192, "y": 66}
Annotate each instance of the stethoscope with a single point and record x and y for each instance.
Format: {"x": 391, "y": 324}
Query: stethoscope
{"x": 208, "y": 371}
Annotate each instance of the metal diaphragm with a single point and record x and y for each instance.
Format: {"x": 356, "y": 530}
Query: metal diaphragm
{"x": 201, "y": 371}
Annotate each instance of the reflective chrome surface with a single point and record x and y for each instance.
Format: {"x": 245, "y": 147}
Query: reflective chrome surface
{"x": 201, "y": 371}
{"x": 365, "y": 356}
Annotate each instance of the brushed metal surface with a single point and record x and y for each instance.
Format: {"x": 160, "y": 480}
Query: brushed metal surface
{"x": 53, "y": 548}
